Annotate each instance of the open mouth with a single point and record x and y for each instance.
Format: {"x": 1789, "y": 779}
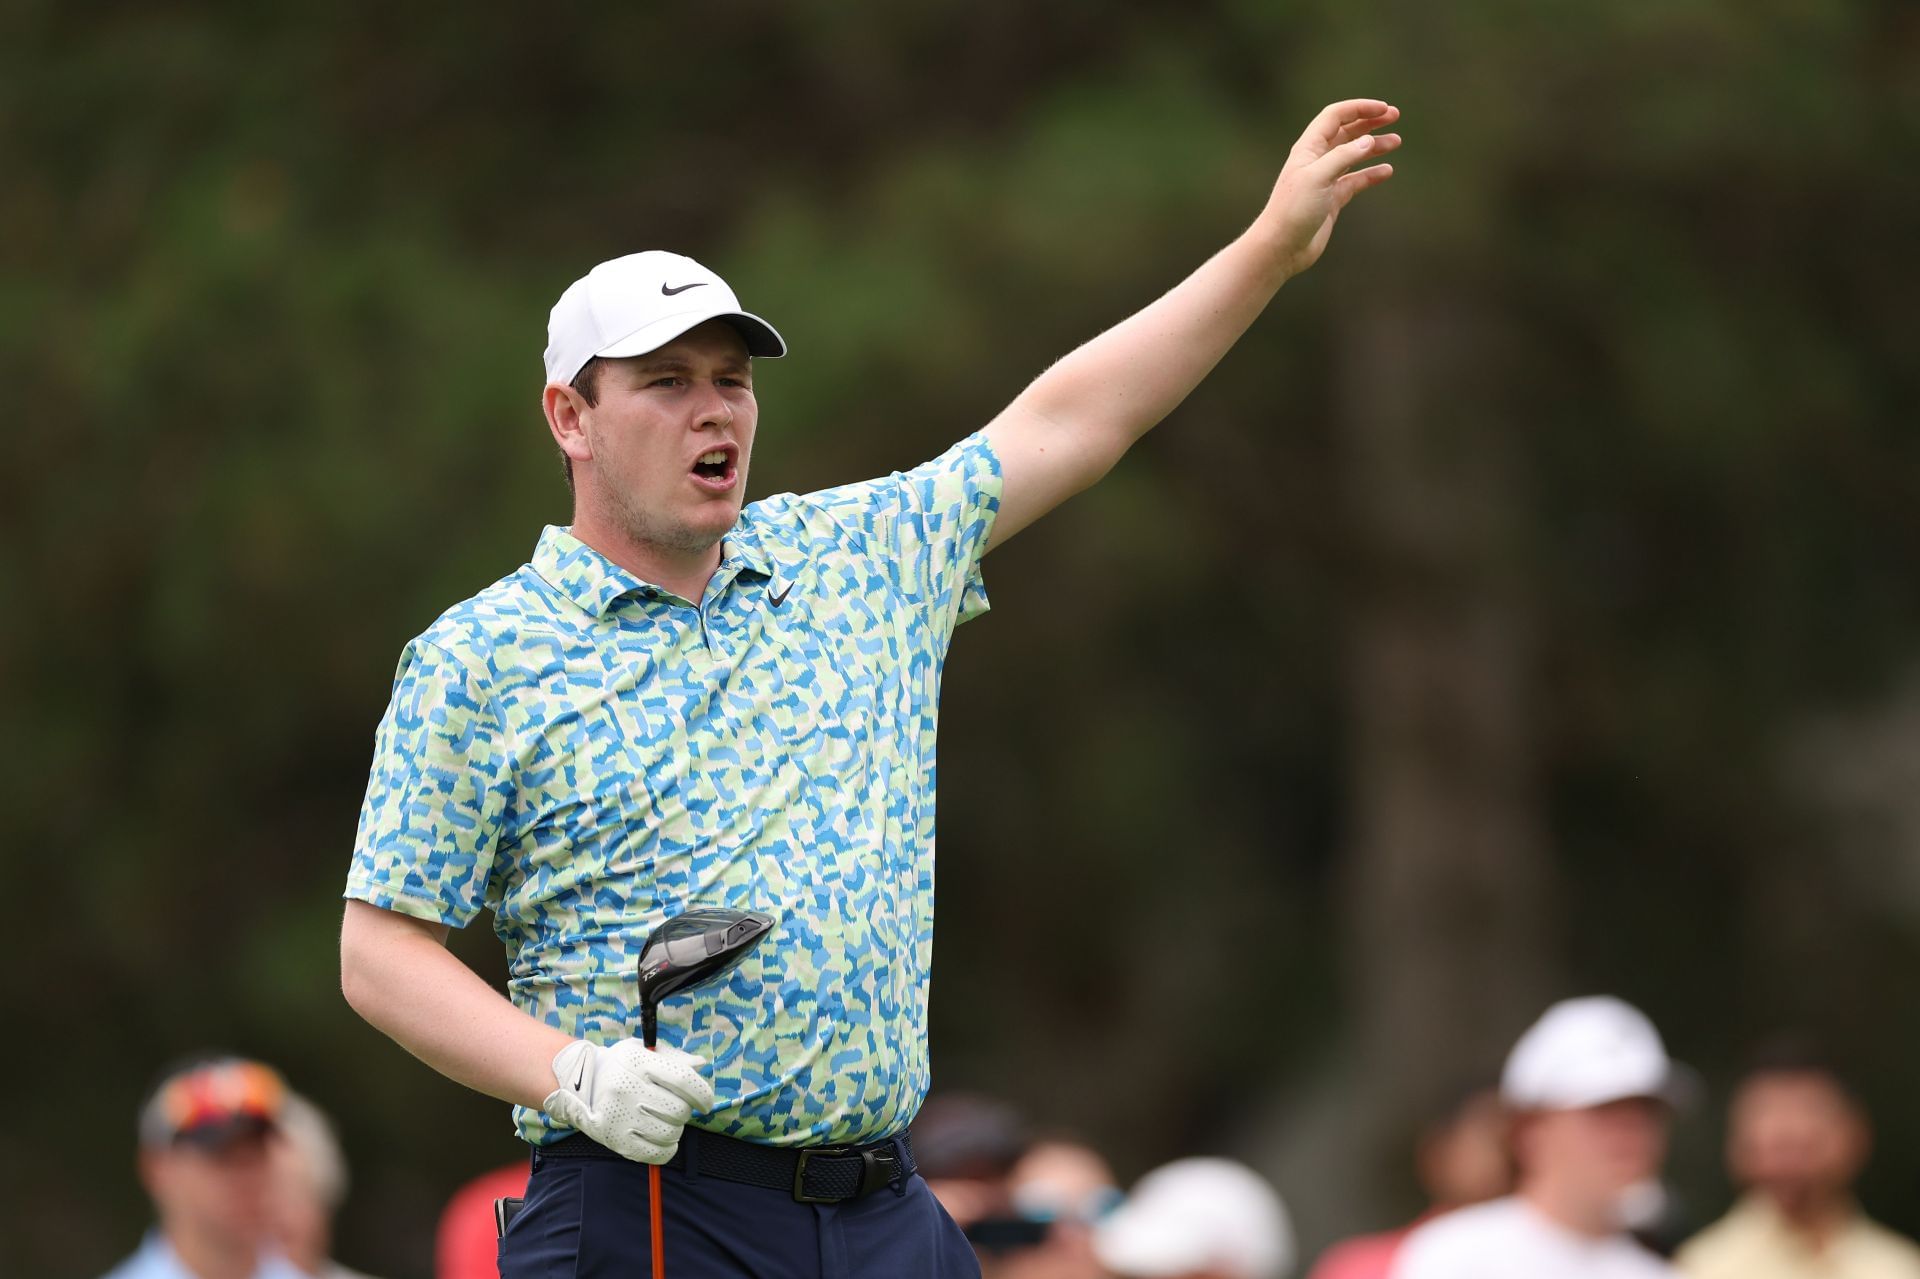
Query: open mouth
{"x": 715, "y": 468}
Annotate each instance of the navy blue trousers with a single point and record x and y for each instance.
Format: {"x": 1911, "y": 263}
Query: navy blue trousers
{"x": 587, "y": 1219}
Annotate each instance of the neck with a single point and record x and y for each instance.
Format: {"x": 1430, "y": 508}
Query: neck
{"x": 685, "y": 573}
{"x": 206, "y": 1256}
{"x": 1573, "y": 1208}
{"x": 309, "y": 1254}
{"x": 1818, "y": 1215}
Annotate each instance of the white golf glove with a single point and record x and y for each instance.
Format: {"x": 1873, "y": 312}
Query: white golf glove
{"x": 631, "y": 1099}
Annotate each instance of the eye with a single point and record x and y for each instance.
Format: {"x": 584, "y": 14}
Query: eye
{"x": 665, "y": 381}
{"x": 734, "y": 381}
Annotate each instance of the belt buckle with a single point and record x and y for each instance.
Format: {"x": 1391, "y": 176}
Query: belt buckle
{"x": 800, "y": 1194}
{"x": 879, "y": 1167}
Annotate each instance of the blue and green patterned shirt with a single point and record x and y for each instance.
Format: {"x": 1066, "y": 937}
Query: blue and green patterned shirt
{"x": 586, "y": 754}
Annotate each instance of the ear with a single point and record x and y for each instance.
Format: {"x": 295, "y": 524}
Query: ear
{"x": 152, "y": 1172}
{"x": 1859, "y": 1140}
{"x": 566, "y": 418}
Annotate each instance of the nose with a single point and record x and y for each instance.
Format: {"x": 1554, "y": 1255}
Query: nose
{"x": 713, "y": 410}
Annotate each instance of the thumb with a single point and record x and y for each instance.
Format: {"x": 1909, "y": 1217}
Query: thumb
{"x": 565, "y": 1107}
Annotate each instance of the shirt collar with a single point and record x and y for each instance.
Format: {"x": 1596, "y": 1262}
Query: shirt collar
{"x": 594, "y": 582}
{"x": 1758, "y": 1215}
{"x": 743, "y": 547}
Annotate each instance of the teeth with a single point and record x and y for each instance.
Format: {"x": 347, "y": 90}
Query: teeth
{"x": 714, "y": 458}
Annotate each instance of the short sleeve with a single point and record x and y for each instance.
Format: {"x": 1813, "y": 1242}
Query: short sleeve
{"x": 933, "y": 523}
{"x": 432, "y": 815}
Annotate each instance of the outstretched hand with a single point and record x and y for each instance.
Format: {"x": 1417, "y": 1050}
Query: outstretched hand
{"x": 1321, "y": 176}
{"x": 1068, "y": 429}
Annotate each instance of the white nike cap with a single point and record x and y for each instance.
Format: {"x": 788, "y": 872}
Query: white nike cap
{"x": 639, "y": 303}
{"x": 1209, "y": 1215}
{"x": 1588, "y": 1052}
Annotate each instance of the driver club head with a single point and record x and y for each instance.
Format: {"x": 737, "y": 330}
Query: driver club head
{"x": 691, "y": 948}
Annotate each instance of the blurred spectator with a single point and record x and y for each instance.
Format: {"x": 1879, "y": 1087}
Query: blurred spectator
{"x": 1797, "y": 1138}
{"x": 1063, "y": 1188}
{"x": 1461, "y": 1159}
{"x": 1060, "y": 1180}
{"x": 204, "y": 1133}
{"x": 1198, "y": 1219}
{"x": 466, "y": 1243}
{"x": 966, "y": 1146}
{"x": 1025, "y": 1208}
{"x": 308, "y": 1173}
{"x": 1590, "y": 1088}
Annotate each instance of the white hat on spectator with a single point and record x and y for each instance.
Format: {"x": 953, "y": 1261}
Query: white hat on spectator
{"x": 1588, "y": 1052}
{"x": 1198, "y": 1214}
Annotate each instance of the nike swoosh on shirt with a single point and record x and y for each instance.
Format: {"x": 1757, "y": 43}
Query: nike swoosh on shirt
{"x": 667, "y": 292}
{"x": 777, "y": 600}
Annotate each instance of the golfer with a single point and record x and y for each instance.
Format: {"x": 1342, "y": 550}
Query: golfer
{"x": 683, "y": 701}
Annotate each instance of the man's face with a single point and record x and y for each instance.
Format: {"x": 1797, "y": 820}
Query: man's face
{"x": 1795, "y": 1136}
{"x": 1465, "y": 1160}
{"x": 221, "y": 1192}
{"x": 1606, "y": 1148}
{"x": 670, "y": 438}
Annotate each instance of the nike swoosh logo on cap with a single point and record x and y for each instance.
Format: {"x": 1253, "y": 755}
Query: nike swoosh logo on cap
{"x": 667, "y": 292}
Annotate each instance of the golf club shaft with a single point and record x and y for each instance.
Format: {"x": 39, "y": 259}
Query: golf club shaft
{"x": 654, "y": 1223}
{"x": 693, "y": 947}
{"x": 649, "y": 1032}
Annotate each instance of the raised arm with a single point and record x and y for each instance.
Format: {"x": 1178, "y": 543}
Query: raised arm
{"x": 1070, "y": 426}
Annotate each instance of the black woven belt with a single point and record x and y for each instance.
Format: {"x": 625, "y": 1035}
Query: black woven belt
{"x": 811, "y": 1174}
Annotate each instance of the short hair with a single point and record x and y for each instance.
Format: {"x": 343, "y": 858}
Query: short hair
{"x": 1793, "y": 1054}
{"x": 1453, "y": 1100}
{"x": 587, "y": 383}
{"x": 962, "y": 1136}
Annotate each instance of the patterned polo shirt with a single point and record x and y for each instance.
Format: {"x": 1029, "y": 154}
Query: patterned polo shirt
{"x": 585, "y": 754}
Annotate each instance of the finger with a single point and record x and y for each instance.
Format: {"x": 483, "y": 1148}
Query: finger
{"x": 685, "y": 1082}
{"x": 1326, "y": 127}
{"x": 1364, "y": 126}
{"x": 664, "y": 1104}
{"x": 648, "y": 1124}
{"x": 1359, "y": 180}
{"x": 637, "y": 1148}
{"x": 667, "y": 1109}
{"x": 1330, "y": 166}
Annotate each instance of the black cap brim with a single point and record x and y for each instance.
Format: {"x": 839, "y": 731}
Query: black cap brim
{"x": 222, "y": 1133}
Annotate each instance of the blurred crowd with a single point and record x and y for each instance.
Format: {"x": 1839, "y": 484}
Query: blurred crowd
{"x": 1555, "y": 1172}
{"x": 245, "y": 1176}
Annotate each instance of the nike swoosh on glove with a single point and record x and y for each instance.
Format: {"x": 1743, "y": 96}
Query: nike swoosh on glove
{"x": 631, "y": 1099}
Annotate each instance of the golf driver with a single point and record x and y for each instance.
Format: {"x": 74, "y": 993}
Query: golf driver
{"x": 686, "y": 950}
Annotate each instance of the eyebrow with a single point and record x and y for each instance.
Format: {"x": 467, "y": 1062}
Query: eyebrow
{"x": 674, "y": 364}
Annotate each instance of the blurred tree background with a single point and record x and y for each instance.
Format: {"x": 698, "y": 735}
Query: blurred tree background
{"x": 1525, "y": 608}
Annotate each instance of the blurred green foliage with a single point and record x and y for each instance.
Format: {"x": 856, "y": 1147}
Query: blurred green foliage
{"x": 273, "y": 282}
